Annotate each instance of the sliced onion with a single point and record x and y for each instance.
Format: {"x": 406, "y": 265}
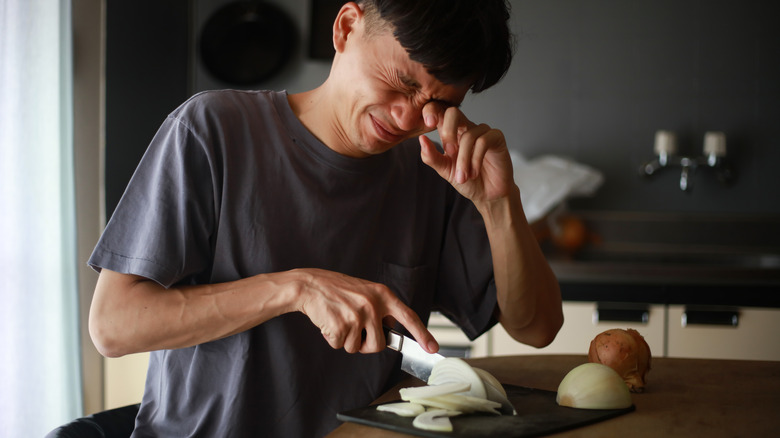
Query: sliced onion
{"x": 462, "y": 403}
{"x": 489, "y": 379}
{"x": 454, "y": 387}
{"x": 419, "y": 392}
{"x": 403, "y": 409}
{"x": 453, "y": 369}
{"x": 495, "y": 391}
{"x": 436, "y": 420}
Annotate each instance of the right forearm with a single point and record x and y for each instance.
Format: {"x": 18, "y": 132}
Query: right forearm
{"x": 131, "y": 314}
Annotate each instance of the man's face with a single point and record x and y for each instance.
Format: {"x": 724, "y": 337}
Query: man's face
{"x": 384, "y": 94}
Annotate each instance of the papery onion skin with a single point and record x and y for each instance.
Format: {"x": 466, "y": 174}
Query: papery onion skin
{"x": 626, "y": 352}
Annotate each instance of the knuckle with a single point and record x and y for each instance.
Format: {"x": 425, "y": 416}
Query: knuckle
{"x": 468, "y": 137}
{"x": 482, "y": 142}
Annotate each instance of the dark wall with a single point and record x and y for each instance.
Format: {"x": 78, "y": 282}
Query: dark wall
{"x": 146, "y": 78}
{"x": 593, "y": 80}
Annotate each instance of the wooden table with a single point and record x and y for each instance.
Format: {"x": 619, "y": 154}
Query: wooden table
{"x": 683, "y": 398}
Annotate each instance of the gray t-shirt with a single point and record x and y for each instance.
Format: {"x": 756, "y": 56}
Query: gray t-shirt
{"x": 233, "y": 185}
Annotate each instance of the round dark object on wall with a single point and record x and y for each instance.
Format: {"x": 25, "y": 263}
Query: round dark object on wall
{"x": 244, "y": 43}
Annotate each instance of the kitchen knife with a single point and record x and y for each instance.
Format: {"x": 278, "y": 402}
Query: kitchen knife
{"x": 415, "y": 360}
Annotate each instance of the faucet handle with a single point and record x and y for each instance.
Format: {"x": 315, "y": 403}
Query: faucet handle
{"x": 715, "y": 144}
{"x": 665, "y": 143}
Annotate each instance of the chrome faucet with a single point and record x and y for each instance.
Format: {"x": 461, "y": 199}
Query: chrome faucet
{"x": 666, "y": 156}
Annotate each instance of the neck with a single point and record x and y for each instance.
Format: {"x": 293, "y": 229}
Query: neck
{"x": 316, "y": 110}
{"x": 303, "y": 105}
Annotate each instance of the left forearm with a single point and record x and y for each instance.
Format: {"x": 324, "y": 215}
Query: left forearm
{"x": 529, "y": 299}
{"x": 476, "y": 161}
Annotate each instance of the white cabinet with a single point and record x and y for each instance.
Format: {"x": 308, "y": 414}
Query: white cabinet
{"x": 753, "y": 337}
{"x": 124, "y": 379}
{"x": 670, "y": 331}
{"x": 452, "y": 341}
{"x": 581, "y": 324}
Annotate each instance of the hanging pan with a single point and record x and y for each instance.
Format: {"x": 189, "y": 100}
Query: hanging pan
{"x": 247, "y": 42}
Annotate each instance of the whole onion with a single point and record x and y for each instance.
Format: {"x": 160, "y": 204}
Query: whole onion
{"x": 626, "y": 352}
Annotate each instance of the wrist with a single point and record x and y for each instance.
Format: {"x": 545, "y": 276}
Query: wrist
{"x": 292, "y": 285}
{"x": 504, "y": 211}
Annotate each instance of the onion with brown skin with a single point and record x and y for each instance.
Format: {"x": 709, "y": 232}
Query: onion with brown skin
{"x": 626, "y": 352}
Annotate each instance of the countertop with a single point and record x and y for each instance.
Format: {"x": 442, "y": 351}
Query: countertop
{"x": 683, "y": 398}
{"x": 671, "y": 249}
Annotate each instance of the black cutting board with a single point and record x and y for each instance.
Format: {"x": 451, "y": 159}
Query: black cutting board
{"x": 537, "y": 414}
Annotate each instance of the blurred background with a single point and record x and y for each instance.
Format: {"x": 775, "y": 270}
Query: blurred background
{"x": 592, "y": 83}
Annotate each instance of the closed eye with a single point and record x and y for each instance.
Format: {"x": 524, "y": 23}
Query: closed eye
{"x": 412, "y": 87}
{"x": 409, "y": 82}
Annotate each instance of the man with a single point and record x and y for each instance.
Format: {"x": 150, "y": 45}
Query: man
{"x": 265, "y": 238}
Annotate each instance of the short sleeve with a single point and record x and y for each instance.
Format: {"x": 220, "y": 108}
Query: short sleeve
{"x": 162, "y": 227}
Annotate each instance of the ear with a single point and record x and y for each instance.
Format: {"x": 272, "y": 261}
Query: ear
{"x": 350, "y": 15}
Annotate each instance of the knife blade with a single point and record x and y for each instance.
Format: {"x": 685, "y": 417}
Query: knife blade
{"x": 414, "y": 360}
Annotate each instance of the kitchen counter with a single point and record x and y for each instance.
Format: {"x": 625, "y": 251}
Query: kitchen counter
{"x": 762, "y": 271}
{"x": 670, "y": 249}
{"x": 684, "y": 397}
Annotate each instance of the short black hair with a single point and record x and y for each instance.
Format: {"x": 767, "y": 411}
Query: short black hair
{"x": 457, "y": 41}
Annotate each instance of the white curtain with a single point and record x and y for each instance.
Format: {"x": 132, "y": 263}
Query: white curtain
{"x": 40, "y": 382}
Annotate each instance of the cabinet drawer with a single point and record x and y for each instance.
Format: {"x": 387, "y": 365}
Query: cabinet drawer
{"x": 580, "y": 326}
{"x": 453, "y": 342}
{"x": 753, "y": 337}
{"x": 124, "y": 379}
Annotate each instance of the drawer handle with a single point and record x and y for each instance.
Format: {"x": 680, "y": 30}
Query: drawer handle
{"x": 605, "y": 313}
{"x": 728, "y": 318}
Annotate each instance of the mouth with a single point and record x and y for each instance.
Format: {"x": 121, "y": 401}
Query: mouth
{"x": 383, "y": 132}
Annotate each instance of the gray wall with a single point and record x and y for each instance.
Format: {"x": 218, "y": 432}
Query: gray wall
{"x": 592, "y": 80}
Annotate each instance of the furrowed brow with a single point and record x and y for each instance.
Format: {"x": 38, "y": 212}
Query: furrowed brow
{"x": 412, "y": 83}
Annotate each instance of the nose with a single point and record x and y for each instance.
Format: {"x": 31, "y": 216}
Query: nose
{"x": 407, "y": 115}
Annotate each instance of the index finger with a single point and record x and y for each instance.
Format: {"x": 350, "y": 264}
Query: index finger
{"x": 409, "y": 319}
{"x": 453, "y": 125}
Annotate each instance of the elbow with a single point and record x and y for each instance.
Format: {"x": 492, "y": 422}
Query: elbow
{"x": 107, "y": 322}
{"x": 550, "y": 330}
{"x": 106, "y": 343}
{"x": 541, "y": 332}
{"x": 547, "y": 336}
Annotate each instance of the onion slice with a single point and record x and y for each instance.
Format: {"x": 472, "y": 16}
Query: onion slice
{"x": 419, "y": 392}
{"x": 454, "y": 387}
{"x": 402, "y": 409}
{"x": 435, "y": 420}
{"x": 496, "y": 392}
{"x": 461, "y": 403}
{"x": 490, "y": 380}
{"x": 453, "y": 369}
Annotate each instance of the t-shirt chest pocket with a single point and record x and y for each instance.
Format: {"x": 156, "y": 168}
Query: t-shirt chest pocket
{"x": 413, "y": 285}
